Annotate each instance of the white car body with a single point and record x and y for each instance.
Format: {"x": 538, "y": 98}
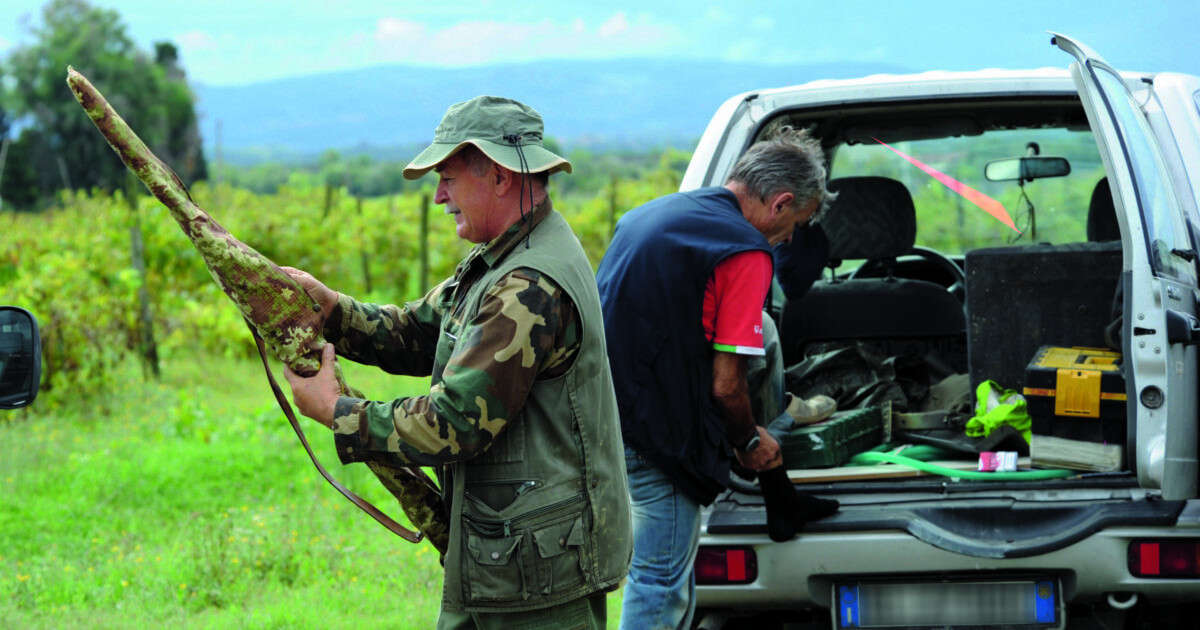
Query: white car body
{"x": 1150, "y": 148}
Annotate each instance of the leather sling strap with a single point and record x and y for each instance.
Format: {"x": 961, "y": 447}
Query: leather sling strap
{"x": 384, "y": 519}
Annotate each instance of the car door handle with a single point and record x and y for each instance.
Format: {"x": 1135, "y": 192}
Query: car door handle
{"x": 1182, "y": 328}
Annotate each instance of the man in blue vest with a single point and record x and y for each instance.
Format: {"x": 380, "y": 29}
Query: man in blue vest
{"x": 683, "y": 285}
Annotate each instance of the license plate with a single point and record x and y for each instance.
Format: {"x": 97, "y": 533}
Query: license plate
{"x": 1011, "y": 603}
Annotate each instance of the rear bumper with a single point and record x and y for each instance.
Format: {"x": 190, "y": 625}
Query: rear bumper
{"x": 800, "y": 573}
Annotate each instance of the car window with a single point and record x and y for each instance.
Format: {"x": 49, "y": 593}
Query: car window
{"x": 1159, "y": 208}
{"x": 950, "y": 223}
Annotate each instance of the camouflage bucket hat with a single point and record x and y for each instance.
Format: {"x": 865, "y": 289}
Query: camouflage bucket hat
{"x": 505, "y": 130}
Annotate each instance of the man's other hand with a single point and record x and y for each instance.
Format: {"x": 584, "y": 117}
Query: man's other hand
{"x": 317, "y": 395}
{"x": 764, "y": 457}
{"x": 326, "y": 298}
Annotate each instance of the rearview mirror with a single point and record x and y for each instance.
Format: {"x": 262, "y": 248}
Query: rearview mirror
{"x": 1026, "y": 168}
{"x": 20, "y": 357}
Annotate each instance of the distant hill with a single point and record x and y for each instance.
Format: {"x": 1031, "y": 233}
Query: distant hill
{"x": 615, "y": 103}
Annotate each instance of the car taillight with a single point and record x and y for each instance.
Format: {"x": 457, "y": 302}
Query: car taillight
{"x": 726, "y": 565}
{"x": 1168, "y": 558}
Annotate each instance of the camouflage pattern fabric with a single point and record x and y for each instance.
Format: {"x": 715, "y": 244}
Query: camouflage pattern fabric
{"x": 282, "y": 312}
{"x": 526, "y": 329}
{"x": 863, "y": 374}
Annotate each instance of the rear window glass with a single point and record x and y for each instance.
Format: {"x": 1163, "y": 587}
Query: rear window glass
{"x": 1165, "y": 230}
{"x": 950, "y": 223}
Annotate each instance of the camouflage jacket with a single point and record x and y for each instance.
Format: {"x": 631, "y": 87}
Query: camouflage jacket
{"x": 521, "y": 412}
{"x": 526, "y": 329}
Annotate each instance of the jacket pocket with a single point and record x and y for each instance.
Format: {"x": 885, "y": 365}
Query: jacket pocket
{"x": 532, "y": 554}
{"x": 560, "y": 555}
{"x": 494, "y": 571}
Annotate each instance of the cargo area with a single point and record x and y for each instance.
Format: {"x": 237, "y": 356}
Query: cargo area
{"x": 925, "y": 296}
{"x": 1042, "y": 322}
{"x": 904, "y": 341}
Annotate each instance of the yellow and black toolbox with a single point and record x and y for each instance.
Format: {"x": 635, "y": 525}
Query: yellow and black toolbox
{"x": 1076, "y": 393}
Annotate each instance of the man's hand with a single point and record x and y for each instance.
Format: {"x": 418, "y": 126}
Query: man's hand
{"x": 765, "y": 457}
{"x": 326, "y": 298}
{"x": 317, "y": 395}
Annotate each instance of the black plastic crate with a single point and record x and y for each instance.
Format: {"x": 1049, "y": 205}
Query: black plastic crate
{"x": 1076, "y": 393}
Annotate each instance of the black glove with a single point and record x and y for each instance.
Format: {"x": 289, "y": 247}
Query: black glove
{"x": 788, "y": 510}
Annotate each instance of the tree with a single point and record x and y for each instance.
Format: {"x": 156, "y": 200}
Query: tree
{"x": 5, "y": 125}
{"x": 153, "y": 98}
{"x": 23, "y": 162}
{"x": 183, "y": 148}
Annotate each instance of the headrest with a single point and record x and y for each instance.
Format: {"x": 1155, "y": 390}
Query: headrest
{"x": 872, "y": 217}
{"x": 1102, "y": 216}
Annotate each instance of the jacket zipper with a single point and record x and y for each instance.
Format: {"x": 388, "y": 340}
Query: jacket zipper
{"x": 485, "y": 526}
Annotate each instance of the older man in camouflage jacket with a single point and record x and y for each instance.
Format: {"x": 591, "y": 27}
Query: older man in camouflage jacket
{"x": 521, "y": 417}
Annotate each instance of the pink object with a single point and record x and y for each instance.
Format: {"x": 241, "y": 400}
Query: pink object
{"x": 998, "y": 461}
{"x": 984, "y": 202}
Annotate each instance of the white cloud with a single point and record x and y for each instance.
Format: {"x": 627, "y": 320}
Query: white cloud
{"x": 615, "y": 25}
{"x": 395, "y": 31}
{"x": 744, "y": 50}
{"x": 461, "y": 44}
{"x": 479, "y": 42}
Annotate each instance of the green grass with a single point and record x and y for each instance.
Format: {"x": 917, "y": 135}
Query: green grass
{"x": 189, "y": 503}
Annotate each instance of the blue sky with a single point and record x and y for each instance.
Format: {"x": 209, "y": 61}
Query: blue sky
{"x": 230, "y": 42}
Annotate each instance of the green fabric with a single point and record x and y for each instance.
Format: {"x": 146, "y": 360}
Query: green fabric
{"x": 996, "y": 406}
{"x": 564, "y": 529}
{"x": 585, "y": 613}
{"x": 498, "y": 126}
{"x": 872, "y": 457}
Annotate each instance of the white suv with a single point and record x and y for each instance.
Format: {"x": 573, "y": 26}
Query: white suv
{"x": 1102, "y": 193}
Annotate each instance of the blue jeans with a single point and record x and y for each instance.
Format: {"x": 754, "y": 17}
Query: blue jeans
{"x": 764, "y": 376}
{"x": 660, "y": 591}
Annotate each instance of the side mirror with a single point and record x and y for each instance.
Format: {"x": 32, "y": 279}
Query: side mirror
{"x": 1026, "y": 168}
{"x": 20, "y": 357}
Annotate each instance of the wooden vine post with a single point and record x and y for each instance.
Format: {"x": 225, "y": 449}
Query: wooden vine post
{"x": 146, "y": 342}
{"x": 424, "y": 243}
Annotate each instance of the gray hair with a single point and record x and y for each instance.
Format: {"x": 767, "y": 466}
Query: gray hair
{"x": 476, "y": 160}
{"x": 479, "y": 163}
{"x": 790, "y": 160}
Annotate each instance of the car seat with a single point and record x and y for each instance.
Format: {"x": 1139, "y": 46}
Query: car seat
{"x": 873, "y": 220}
{"x": 1102, "y": 216}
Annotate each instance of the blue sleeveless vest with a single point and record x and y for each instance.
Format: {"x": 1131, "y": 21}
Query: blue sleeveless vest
{"x": 652, "y": 282}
